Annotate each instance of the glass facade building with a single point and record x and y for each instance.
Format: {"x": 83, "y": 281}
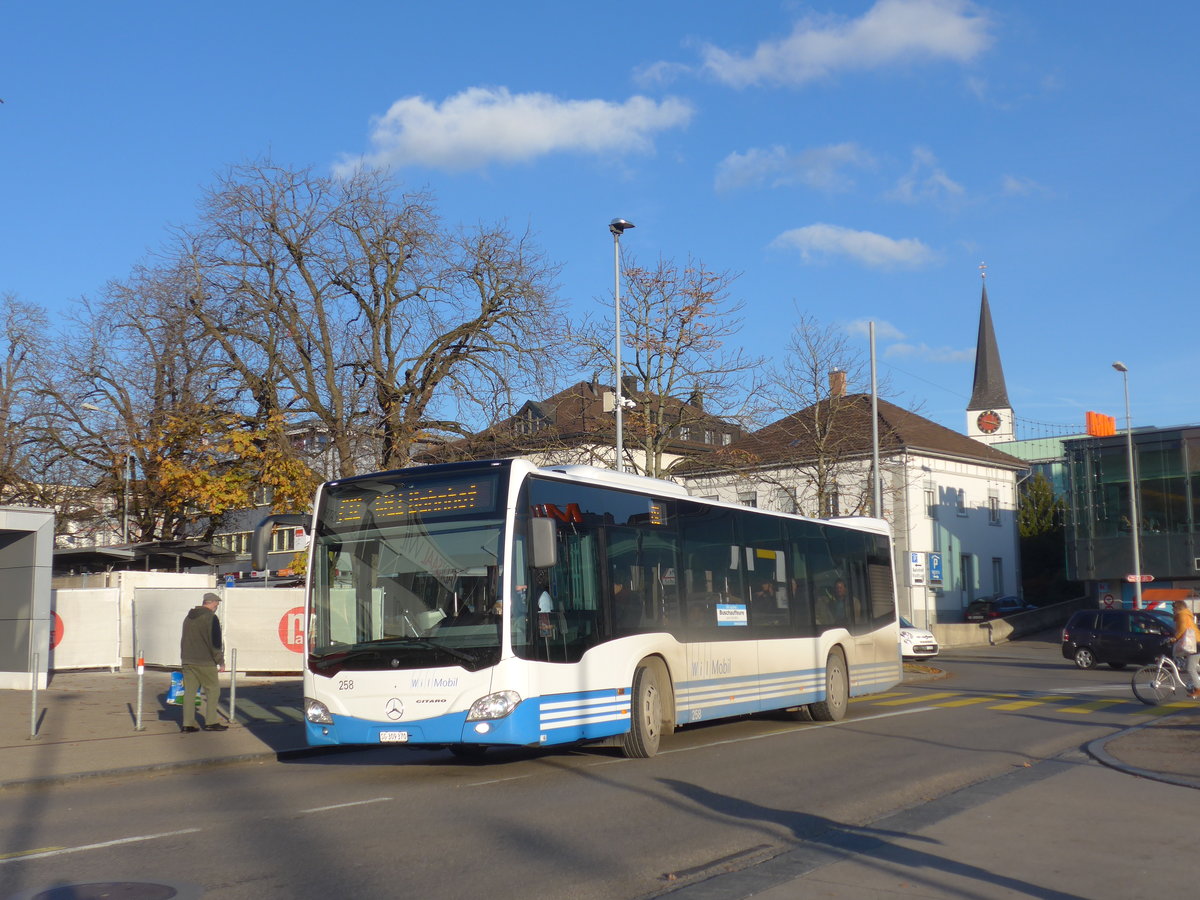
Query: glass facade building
{"x": 1100, "y": 525}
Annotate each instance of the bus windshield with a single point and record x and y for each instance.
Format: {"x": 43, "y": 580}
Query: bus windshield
{"x": 400, "y": 581}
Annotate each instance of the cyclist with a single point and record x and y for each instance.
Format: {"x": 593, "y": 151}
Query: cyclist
{"x": 1185, "y": 644}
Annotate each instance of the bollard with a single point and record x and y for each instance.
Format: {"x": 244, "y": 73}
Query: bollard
{"x": 141, "y": 673}
{"x": 233, "y": 686}
{"x": 33, "y": 715}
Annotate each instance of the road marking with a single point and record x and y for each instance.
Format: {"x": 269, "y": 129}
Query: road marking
{"x": 60, "y": 851}
{"x": 502, "y": 780}
{"x": 344, "y": 805}
{"x": 22, "y": 854}
{"x": 919, "y": 698}
{"x": 968, "y": 701}
{"x": 800, "y": 728}
{"x": 1025, "y": 704}
{"x": 1091, "y": 706}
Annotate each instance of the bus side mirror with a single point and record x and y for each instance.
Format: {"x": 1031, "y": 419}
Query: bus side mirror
{"x": 543, "y": 543}
{"x": 260, "y": 538}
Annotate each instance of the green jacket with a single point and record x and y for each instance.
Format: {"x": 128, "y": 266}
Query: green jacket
{"x": 200, "y": 644}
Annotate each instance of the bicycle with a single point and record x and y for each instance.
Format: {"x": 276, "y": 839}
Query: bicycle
{"x": 1159, "y": 682}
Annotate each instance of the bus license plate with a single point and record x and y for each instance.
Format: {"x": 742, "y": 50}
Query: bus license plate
{"x": 393, "y": 737}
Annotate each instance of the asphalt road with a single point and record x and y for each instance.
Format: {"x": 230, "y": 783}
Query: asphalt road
{"x": 734, "y": 797}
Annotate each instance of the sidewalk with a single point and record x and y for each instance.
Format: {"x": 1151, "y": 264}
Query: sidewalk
{"x": 86, "y": 721}
{"x": 85, "y": 727}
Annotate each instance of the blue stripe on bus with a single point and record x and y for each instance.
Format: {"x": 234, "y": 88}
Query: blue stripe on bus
{"x": 585, "y": 715}
{"x": 710, "y": 698}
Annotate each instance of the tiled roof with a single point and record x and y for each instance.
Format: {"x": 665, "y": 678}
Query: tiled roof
{"x": 576, "y": 415}
{"x": 841, "y": 427}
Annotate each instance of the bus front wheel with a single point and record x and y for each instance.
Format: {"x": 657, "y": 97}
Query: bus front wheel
{"x": 837, "y": 690}
{"x": 645, "y": 726}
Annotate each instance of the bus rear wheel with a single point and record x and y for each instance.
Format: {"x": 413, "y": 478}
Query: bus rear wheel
{"x": 645, "y": 725}
{"x": 837, "y": 690}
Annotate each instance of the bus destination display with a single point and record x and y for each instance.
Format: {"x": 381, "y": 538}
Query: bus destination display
{"x": 403, "y": 502}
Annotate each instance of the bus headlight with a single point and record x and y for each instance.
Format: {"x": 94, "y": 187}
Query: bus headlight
{"x": 316, "y": 711}
{"x": 493, "y": 706}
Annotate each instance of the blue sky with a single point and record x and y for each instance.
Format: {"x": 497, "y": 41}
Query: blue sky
{"x": 855, "y": 161}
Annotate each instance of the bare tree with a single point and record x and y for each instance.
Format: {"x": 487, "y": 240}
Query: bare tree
{"x": 332, "y": 300}
{"x": 676, "y": 321}
{"x": 23, "y": 365}
{"x": 820, "y": 382}
{"x": 133, "y": 366}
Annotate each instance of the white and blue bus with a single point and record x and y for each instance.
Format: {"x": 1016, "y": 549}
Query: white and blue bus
{"x": 495, "y": 603}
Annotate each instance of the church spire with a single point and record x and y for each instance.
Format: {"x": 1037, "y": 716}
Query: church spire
{"x": 989, "y": 414}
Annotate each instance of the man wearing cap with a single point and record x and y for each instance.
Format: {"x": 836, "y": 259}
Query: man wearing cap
{"x": 200, "y": 655}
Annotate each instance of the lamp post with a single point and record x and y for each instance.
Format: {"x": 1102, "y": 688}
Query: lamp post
{"x": 618, "y": 227}
{"x": 126, "y": 475}
{"x": 1133, "y": 492}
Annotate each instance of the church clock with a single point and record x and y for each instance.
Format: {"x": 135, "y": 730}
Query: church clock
{"x": 988, "y": 421}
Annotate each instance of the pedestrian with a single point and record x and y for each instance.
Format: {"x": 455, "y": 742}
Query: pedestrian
{"x": 1186, "y": 645}
{"x": 201, "y": 654}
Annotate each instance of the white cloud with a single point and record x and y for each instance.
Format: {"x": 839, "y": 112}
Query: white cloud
{"x": 890, "y": 32}
{"x": 898, "y": 347}
{"x": 870, "y": 249}
{"x": 1019, "y": 185}
{"x": 820, "y": 167}
{"x": 926, "y": 353}
{"x": 925, "y": 181}
{"x": 884, "y": 331}
{"x": 483, "y": 125}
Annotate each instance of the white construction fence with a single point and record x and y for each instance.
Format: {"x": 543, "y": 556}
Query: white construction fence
{"x": 264, "y": 625}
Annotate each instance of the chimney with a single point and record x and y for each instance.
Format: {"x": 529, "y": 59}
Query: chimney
{"x": 697, "y": 398}
{"x": 837, "y": 383}
{"x": 629, "y": 385}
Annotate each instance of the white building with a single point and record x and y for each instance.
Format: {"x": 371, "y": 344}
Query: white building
{"x": 951, "y": 500}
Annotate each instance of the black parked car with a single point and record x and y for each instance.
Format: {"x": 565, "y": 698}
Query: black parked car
{"x": 995, "y": 608}
{"x": 1119, "y": 637}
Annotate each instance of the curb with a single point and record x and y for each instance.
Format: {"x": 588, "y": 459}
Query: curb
{"x": 1097, "y": 749}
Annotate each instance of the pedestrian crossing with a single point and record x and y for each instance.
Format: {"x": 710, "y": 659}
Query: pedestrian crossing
{"x": 1080, "y": 704}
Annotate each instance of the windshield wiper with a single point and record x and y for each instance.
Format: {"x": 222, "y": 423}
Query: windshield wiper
{"x": 423, "y": 642}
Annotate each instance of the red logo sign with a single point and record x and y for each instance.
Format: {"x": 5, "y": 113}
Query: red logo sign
{"x": 56, "y": 630}
{"x": 291, "y": 629}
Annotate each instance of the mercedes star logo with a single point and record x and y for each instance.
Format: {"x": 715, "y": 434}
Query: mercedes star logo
{"x": 394, "y": 709}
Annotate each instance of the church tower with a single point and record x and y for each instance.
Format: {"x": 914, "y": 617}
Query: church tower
{"x": 989, "y": 415}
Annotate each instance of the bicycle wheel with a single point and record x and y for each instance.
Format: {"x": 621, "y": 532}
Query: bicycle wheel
{"x": 1153, "y": 684}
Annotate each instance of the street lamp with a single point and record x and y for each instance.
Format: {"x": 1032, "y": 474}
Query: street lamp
{"x": 618, "y": 227}
{"x": 1133, "y": 492}
{"x": 126, "y": 477}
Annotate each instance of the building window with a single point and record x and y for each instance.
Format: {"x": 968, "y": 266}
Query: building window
{"x": 833, "y": 505}
{"x": 930, "y": 503}
{"x": 993, "y": 510}
{"x": 748, "y": 499}
{"x": 726, "y": 439}
{"x": 708, "y": 437}
{"x": 236, "y": 542}
{"x": 785, "y": 500}
{"x": 960, "y": 501}
{"x": 283, "y": 540}
{"x": 685, "y": 432}
{"x": 998, "y": 575}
